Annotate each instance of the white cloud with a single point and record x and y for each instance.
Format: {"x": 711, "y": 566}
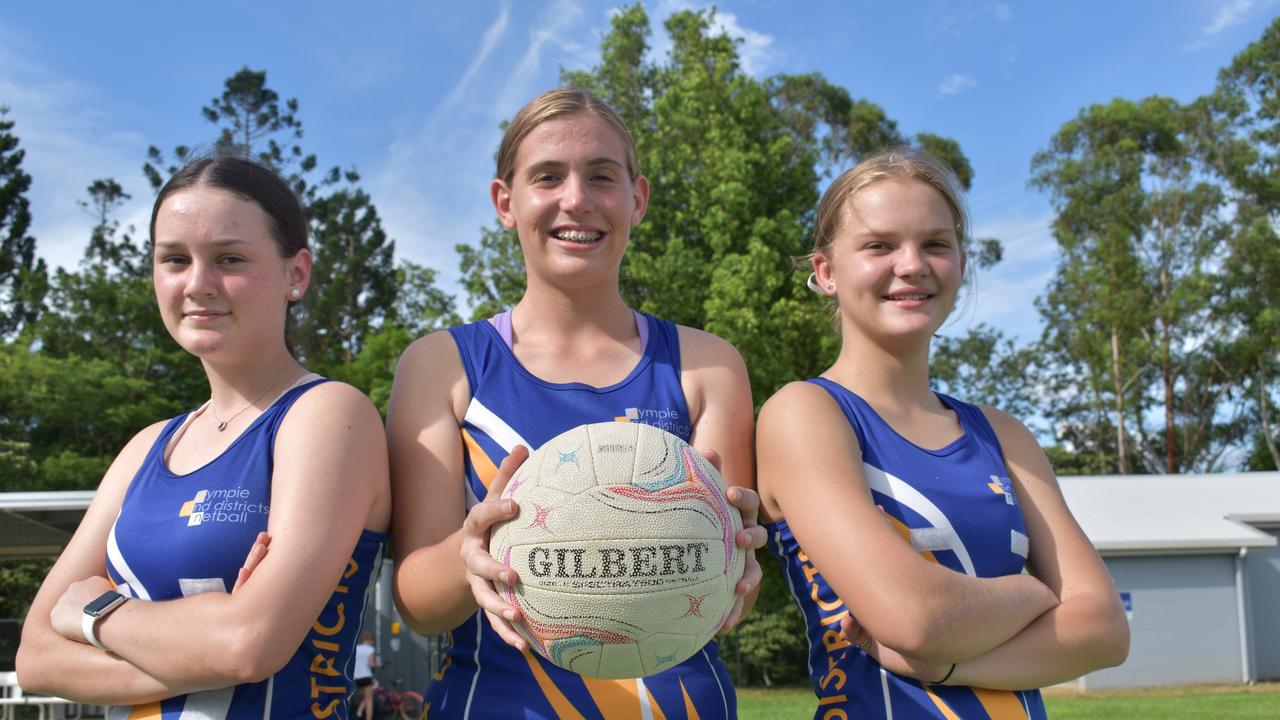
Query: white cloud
{"x": 956, "y": 23}
{"x": 1004, "y": 296}
{"x": 1229, "y": 14}
{"x": 492, "y": 36}
{"x": 956, "y": 84}
{"x": 756, "y": 51}
{"x": 553, "y": 31}
{"x": 433, "y": 188}
{"x": 62, "y": 126}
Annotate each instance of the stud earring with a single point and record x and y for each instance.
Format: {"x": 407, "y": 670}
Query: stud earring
{"x": 295, "y": 293}
{"x": 831, "y": 287}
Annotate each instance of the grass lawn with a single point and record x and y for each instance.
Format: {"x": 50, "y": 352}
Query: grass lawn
{"x": 1211, "y": 702}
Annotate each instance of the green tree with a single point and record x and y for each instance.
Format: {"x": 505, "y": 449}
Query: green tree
{"x": 421, "y": 307}
{"x": 985, "y": 367}
{"x": 1128, "y": 310}
{"x": 253, "y": 123}
{"x": 492, "y": 271}
{"x": 105, "y": 368}
{"x": 23, "y": 276}
{"x": 1240, "y": 136}
{"x": 354, "y": 287}
{"x": 353, "y": 280}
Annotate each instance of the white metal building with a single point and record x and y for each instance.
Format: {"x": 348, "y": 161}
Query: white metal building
{"x": 1196, "y": 560}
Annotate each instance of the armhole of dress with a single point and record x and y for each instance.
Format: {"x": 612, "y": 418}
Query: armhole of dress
{"x": 982, "y": 424}
{"x": 460, "y": 335}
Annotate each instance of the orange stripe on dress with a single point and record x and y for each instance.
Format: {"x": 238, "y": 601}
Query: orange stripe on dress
{"x": 905, "y": 532}
{"x": 946, "y": 710}
{"x": 689, "y": 709}
{"x": 559, "y": 703}
{"x": 480, "y": 461}
{"x": 1000, "y": 704}
{"x": 149, "y": 711}
{"x": 615, "y": 698}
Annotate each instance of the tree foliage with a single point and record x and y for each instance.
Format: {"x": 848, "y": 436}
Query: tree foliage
{"x": 733, "y": 164}
{"x": 23, "y": 276}
{"x": 1241, "y": 140}
{"x": 1127, "y": 316}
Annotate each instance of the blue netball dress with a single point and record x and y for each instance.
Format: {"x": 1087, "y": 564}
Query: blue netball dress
{"x": 483, "y": 677}
{"x": 180, "y": 535}
{"x": 957, "y": 507}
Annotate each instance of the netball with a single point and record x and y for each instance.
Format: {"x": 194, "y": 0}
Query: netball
{"x": 624, "y": 546}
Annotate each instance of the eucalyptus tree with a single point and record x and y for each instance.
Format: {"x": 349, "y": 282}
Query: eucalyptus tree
{"x": 1128, "y": 313}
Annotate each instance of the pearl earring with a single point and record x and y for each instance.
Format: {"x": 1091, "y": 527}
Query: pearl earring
{"x": 295, "y": 293}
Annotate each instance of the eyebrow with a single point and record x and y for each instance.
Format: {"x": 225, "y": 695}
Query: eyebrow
{"x": 602, "y": 160}
{"x": 216, "y": 243}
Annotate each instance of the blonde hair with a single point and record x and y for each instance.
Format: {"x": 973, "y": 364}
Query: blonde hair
{"x": 902, "y": 163}
{"x": 553, "y": 104}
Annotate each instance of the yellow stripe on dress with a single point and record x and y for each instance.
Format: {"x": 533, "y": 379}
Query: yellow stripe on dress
{"x": 480, "y": 461}
{"x": 149, "y": 711}
{"x": 559, "y": 703}
{"x": 621, "y": 699}
{"x": 1000, "y": 704}
{"x": 946, "y": 711}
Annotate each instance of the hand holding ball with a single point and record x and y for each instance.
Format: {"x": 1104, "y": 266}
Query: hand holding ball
{"x": 624, "y": 546}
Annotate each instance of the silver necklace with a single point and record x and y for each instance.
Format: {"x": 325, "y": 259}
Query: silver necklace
{"x": 222, "y": 424}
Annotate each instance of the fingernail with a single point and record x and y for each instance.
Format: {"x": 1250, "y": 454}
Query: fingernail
{"x": 509, "y": 614}
{"x": 508, "y": 506}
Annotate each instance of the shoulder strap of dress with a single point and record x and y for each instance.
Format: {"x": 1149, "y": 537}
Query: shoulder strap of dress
{"x": 975, "y": 421}
{"x": 663, "y": 346}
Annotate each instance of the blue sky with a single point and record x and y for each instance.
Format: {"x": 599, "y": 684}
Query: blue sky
{"x": 411, "y": 94}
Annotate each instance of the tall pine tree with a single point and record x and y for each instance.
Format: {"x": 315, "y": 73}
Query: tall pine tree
{"x": 23, "y": 276}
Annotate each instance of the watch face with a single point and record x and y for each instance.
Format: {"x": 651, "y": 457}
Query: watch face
{"x": 104, "y": 602}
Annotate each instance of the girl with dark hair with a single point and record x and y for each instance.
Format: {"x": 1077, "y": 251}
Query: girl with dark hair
{"x": 468, "y": 401}
{"x": 904, "y": 518}
{"x": 165, "y": 602}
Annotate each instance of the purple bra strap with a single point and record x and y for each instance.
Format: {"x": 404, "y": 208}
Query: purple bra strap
{"x": 502, "y": 323}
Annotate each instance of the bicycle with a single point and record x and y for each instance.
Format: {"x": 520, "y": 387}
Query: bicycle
{"x": 407, "y": 704}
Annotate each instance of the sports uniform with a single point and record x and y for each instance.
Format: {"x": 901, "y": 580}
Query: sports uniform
{"x": 179, "y": 535}
{"x": 483, "y": 677}
{"x": 957, "y": 507}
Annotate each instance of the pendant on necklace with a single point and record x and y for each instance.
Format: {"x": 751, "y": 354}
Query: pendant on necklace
{"x": 222, "y": 426}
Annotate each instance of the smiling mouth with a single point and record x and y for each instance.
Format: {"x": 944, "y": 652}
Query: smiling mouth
{"x": 916, "y": 296}
{"x": 579, "y": 237}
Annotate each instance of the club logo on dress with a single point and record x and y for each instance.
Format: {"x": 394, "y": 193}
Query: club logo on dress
{"x": 231, "y": 505}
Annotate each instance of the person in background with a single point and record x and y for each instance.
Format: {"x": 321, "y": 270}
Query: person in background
{"x": 366, "y": 663}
